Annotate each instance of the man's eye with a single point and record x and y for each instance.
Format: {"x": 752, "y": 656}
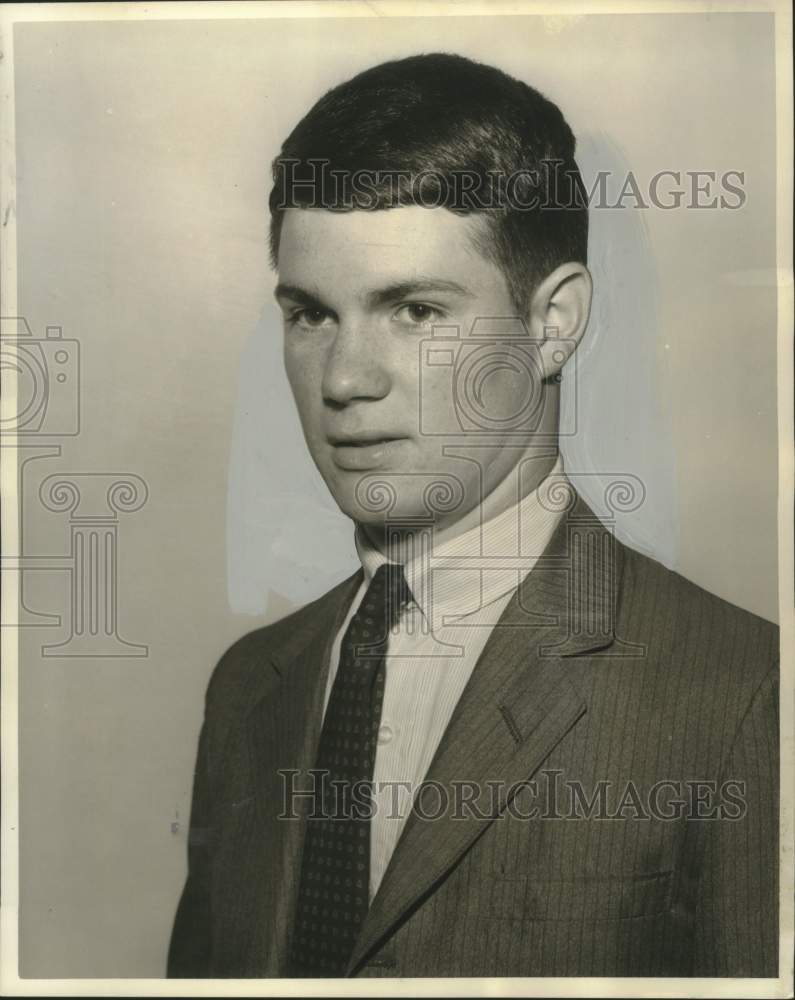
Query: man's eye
{"x": 418, "y": 312}
{"x": 309, "y": 317}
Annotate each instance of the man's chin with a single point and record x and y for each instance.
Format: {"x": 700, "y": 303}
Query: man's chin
{"x": 374, "y": 505}
{"x": 378, "y": 498}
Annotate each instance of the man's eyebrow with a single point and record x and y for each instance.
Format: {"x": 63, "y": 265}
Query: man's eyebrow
{"x": 380, "y": 296}
{"x": 415, "y": 286}
{"x": 298, "y": 294}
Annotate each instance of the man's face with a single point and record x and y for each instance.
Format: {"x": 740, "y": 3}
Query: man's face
{"x": 360, "y": 292}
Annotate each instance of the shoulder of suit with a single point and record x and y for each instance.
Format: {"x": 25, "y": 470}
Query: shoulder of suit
{"x": 241, "y": 664}
{"x": 681, "y": 606}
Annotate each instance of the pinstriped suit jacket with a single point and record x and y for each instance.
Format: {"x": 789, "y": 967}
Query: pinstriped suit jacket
{"x": 607, "y": 673}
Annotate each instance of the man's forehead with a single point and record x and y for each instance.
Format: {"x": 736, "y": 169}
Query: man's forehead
{"x": 382, "y": 246}
{"x": 393, "y": 226}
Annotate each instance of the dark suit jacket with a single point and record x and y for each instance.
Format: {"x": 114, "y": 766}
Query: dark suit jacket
{"x": 605, "y": 668}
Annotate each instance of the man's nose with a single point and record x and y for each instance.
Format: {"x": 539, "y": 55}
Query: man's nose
{"x": 356, "y": 367}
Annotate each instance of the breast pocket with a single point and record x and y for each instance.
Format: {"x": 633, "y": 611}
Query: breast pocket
{"x": 528, "y": 897}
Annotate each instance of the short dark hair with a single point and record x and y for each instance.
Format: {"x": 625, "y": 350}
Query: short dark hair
{"x": 443, "y": 130}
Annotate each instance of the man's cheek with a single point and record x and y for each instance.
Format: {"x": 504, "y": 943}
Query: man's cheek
{"x": 434, "y": 404}
{"x": 306, "y": 387}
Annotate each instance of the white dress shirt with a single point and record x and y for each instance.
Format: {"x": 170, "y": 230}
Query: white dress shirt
{"x": 463, "y": 581}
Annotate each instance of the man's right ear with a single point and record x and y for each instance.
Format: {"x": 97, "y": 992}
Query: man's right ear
{"x": 559, "y": 312}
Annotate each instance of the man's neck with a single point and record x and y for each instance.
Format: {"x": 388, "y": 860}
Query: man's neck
{"x": 521, "y": 480}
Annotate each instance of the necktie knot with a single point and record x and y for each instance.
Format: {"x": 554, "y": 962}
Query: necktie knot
{"x": 390, "y": 590}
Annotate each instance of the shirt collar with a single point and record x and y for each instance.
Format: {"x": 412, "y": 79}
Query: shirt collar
{"x": 458, "y": 576}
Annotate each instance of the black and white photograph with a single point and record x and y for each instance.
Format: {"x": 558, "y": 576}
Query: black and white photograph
{"x": 397, "y": 533}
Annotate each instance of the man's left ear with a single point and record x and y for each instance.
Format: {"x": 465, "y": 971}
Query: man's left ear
{"x": 559, "y": 313}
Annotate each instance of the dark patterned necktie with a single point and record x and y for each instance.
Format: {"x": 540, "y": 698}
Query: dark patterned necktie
{"x": 333, "y": 895}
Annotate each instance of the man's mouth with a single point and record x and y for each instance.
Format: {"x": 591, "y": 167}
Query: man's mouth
{"x": 364, "y": 452}
{"x": 362, "y": 440}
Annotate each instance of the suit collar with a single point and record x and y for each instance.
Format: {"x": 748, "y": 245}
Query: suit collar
{"x": 300, "y": 630}
{"x": 558, "y": 590}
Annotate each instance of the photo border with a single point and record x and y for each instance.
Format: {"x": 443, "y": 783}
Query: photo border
{"x": 10, "y": 983}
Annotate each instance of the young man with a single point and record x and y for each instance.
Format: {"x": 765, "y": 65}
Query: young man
{"x": 509, "y": 745}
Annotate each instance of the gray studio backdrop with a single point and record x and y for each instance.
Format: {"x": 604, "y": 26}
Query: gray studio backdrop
{"x": 174, "y": 509}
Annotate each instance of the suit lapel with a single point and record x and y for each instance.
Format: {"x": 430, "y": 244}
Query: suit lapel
{"x": 283, "y": 729}
{"x": 518, "y": 704}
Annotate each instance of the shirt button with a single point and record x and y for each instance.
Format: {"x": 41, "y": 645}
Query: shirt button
{"x": 385, "y": 734}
